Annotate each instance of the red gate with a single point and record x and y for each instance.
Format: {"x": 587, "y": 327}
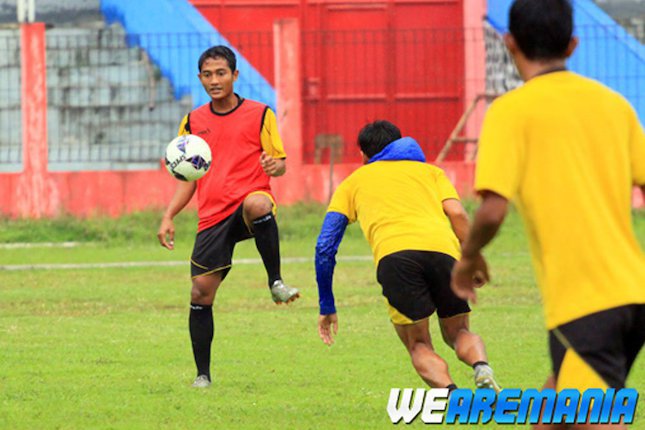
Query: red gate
{"x": 400, "y": 60}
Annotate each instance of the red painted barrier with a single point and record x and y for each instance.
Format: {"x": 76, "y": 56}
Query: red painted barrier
{"x": 289, "y": 100}
{"x": 34, "y": 191}
{"x": 113, "y": 193}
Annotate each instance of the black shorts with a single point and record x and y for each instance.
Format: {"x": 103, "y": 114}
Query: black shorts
{"x": 601, "y": 347}
{"x": 416, "y": 283}
{"x": 213, "y": 250}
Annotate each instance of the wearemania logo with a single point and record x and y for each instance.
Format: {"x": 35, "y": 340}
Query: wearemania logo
{"x": 513, "y": 406}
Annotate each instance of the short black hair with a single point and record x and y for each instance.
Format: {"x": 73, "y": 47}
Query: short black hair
{"x": 377, "y": 135}
{"x": 219, "y": 51}
{"x": 542, "y": 29}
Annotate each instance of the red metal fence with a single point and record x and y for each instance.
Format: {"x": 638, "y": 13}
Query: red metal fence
{"x": 414, "y": 78}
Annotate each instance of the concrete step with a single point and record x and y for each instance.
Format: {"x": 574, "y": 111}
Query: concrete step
{"x": 86, "y": 76}
{"x": 9, "y": 48}
{"x": 9, "y": 58}
{"x": 70, "y": 57}
{"x": 135, "y": 141}
{"x": 68, "y": 12}
{"x": 148, "y": 152}
{"x": 10, "y": 128}
{"x": 10, "y": 86}
{"x": 137, "y": 131}
{"x": 137, "y": 95}
{"x": 163, "y": 113}
{"x": 87, "y": 97}
{"x": 9, "y": 154}
{"x": 112, "y": 37}
{"x": 12, "y": 35}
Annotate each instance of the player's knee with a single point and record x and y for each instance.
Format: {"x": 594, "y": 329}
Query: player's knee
{"x": 451, "y": 336}
{"x": 420, "y": 352}
{"x": 198, "y": 296}
{"x": 202, "y": 291}
{"x": 257, "y": 205}
{"x": 452, "y": 329}
{"x": 418, "y": 348}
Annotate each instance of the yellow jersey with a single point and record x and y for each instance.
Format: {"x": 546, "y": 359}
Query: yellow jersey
{"x": 567, "y": 150}
{"x": 398, "y": 205}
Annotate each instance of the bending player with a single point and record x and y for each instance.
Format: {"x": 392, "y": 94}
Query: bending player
{"x": 412, "y": 218}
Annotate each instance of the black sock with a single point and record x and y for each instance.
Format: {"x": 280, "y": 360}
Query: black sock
{"x": 480, "y": 363}
{"x": 201, "y": 335}
{"x": 265, "y": 230}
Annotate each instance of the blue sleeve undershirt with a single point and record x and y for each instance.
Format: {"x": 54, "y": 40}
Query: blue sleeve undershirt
{"x": 331, "y": 234}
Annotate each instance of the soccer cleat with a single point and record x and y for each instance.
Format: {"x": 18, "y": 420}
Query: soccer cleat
{"x": 202, "y": 381}
{"x": 484, "y": 378}
{"x": 281, "y": 293}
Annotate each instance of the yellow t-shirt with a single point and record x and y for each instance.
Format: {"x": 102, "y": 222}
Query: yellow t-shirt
{"x": 567, "y": 150}
{"x": 399, "y": 207}
{"x": 269, "y": 135}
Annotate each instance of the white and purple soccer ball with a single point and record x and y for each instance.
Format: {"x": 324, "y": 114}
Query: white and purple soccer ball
{"x": 188, "y": 157}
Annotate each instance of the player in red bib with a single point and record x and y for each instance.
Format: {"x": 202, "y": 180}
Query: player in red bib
{"x": 234, "y": 198}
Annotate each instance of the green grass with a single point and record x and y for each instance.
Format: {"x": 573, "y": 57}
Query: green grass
{"x": 109, "y": 348}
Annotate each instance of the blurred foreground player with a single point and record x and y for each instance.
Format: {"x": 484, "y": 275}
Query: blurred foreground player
{"x": 412, "y": 218}
{"x": 567, "y": 150}
{"x": 234, "y": 197}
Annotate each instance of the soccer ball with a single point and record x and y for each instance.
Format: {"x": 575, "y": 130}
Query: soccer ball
{"x": 188, "y": 157}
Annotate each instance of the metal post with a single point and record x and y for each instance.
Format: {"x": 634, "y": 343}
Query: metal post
{"x": 35, "y": 195}
{"x": 26, "y": 10}
{"x": 20, "y": 10}
{"x": 31, "y": 10}
{"x": 288, "y": 85}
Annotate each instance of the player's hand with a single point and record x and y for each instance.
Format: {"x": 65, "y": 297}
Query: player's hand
{"x": 268, "y": 164}
{"x": 327, "y": 323}
{"x": 468, "y": 274}
{"x": 166, "y": 233}
{"x": 271, "y": 166}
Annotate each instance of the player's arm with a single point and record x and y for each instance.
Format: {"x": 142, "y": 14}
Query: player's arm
{"x": 488, "y": 218}
{"x": 471, "y": 269}
{"x": 637, "y": 151}
{"x": 500, "y": 168}
{"x": 452, "y": 206}
{"x": 184, "y": 126}
{"x": 273, "y": 158}
{"x": 331, "y": 234}
{"x": 183, "y": 193}
{"x": 458, "y": 217}
{"x": 180, "y": 199}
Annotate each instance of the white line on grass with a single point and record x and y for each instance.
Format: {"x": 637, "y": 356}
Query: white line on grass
{"x": 20, "y": 245}
{"x": 127, "y": 264}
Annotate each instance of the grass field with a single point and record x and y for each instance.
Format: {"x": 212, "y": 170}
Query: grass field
{"x": 108, "y": 348}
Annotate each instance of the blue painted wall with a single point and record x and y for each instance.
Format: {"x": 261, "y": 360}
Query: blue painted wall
{"x": 174, "y": 34}
{"x": 606, "y": 51}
